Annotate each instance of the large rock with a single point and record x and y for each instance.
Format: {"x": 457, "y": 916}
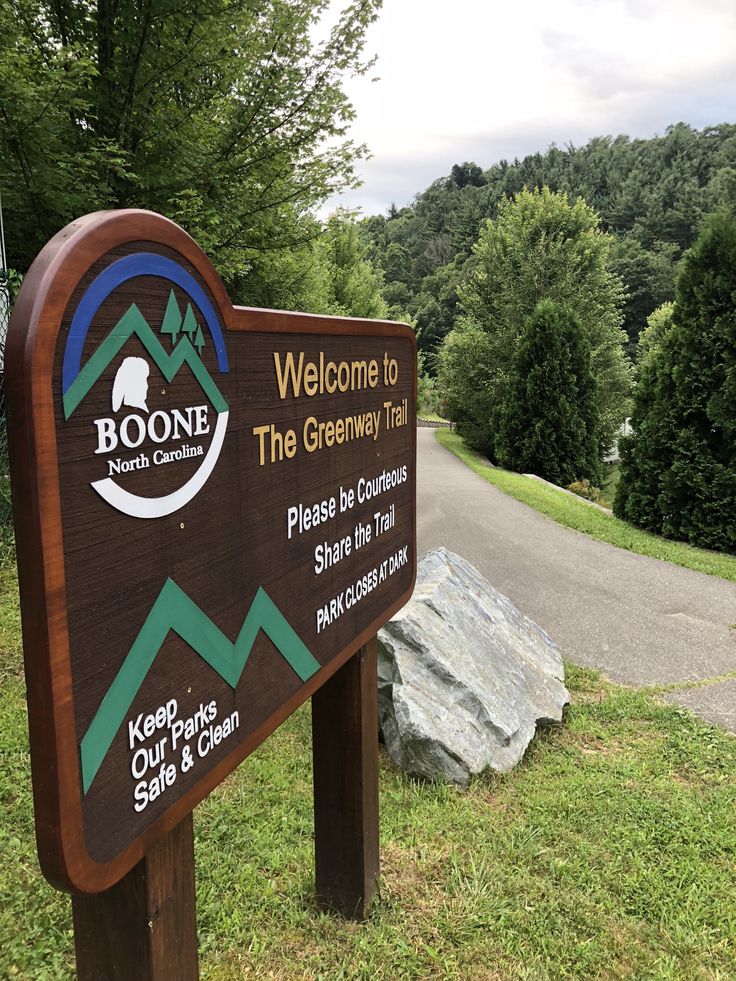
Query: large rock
{"x": 463, "y": 676}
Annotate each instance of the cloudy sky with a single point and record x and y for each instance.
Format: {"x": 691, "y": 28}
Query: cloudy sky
{"x": 484, "y": 80}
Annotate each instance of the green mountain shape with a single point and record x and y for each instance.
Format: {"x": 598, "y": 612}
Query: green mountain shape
{"x": 134, "y": 323}
{"x": 174, "y": 610}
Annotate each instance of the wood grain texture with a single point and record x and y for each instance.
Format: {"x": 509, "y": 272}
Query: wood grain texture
{"x": 144, "y": 928}
{"x": 230, "y": 544}
{"x": 345, "y": 750}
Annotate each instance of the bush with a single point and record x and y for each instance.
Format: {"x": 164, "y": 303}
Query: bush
{"x": 658, "y": 326}
{"x": 584, "y": 488}
{"x": 550, "y": 422}
{"x": 427, "y": 394}
{"x": 465, "y": 381}
{"x": 678, "y": 469}
{"x": 540, "y": 247}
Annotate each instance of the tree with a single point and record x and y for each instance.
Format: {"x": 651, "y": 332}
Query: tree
{"x": 649, "y": 275}
{"x": 353, "y": 284}
{"x": 658, "y": 326}
{"x": 465, "y": 174}
{"x": 172, "y": 323}
{"x": 678, "y": 469}
{"x": 650, "y": 194}
{"x": 466, "y": 380}
{"x": 431, "y": 328}
{"x": 331, "y": 273}
{"x": 189, "y": 326}
{"x": 549, "y": 424}
{"x": 664, "y": 194}
{"x": 435, "y": 311}
{"x": 287, "y": 279}
{"x": 227, "y": 116}
{"x": 540, "y": 247}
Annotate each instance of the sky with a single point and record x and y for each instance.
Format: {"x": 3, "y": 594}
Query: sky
{"x": 484, "y": 80}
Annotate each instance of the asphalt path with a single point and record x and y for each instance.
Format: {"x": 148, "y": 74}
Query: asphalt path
{"x": 640, "y": 620}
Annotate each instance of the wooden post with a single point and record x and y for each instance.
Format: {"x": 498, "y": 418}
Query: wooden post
{"x": 145, "y": 927}
{"x": 345, "y": 749}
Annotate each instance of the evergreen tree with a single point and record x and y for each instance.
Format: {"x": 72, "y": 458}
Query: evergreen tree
{"x": 649, "y": 276}
{"x": 678, "y": 470}
{"x": 658, "y": 325}
{"x": 189, "y": 327}
{"x": 540, "y": 247}
{"x": 549, "y": 425}
{"x": 465, "y": 174}
{"x": 171, "y": 323}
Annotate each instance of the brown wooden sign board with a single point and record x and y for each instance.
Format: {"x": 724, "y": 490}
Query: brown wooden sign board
{"x": 215, "y": 508}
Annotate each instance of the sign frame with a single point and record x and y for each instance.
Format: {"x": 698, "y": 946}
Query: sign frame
{"x": 35, "y": 477}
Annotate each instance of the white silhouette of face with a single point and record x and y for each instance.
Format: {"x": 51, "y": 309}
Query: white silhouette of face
{"x": 131, "y": 384}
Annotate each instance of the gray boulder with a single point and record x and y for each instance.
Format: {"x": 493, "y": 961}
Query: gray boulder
{"x": 463, "y": 676}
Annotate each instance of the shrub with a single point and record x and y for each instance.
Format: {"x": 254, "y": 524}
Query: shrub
{"x": 427, "y": 394}
{"x": 550, "y": 422}
{"x": 658, "y": 326}
{"x": 584, "y": 488}
{"x": 678, "y": 469}
{"x": 540, "y": 246}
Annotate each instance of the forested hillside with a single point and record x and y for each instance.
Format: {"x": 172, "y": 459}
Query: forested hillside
{"x": 651, "y": 195}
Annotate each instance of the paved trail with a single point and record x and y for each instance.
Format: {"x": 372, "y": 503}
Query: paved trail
{"x": 640, "y": 620}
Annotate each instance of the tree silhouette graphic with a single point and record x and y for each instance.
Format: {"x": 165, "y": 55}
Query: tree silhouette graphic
{"x": 176, "y": 327}
{"x": 172, "y": 319}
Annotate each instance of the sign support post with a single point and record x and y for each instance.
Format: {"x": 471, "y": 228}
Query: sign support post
{"x": 144, "y": 928}
{"x": 345, "y": 750}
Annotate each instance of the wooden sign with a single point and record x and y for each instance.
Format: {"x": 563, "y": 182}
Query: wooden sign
{"x": 214, "y": 509}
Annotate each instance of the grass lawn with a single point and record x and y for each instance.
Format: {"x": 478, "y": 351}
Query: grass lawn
{"x": 610, "y": 852}
{"x": 566, "y": 510}
{"x": 611, "y": 477}
{"x": 431, "y": 416}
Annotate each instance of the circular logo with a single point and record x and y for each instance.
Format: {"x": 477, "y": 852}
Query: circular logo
{"x": 132, "y": 434}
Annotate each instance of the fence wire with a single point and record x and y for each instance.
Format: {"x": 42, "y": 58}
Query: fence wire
{"x": 6, "y": 512}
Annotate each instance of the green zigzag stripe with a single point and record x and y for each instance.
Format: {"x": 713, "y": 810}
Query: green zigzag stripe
{"x": 174, "y": 610}
{"x": 133, "y": 322}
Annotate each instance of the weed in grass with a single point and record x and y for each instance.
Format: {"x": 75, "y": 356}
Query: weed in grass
{"x": 564, "y": 509}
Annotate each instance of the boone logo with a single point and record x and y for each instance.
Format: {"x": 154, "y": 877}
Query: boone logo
{"x": 134, "y": 435}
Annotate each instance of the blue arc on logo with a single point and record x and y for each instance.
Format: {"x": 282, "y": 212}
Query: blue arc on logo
{"x": 141, "y": 264}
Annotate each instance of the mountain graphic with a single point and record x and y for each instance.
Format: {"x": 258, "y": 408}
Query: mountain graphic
{"x": 133, "y": 323}
{"x": 174, "y": 610}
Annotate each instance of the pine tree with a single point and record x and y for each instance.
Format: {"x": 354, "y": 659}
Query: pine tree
{"x": 550, "y": 423}
{"x": 190, "y": 324}
{"x": 678, "y": 470}
{"x": 539, "y": 247}
{"x": 172, "y": 319}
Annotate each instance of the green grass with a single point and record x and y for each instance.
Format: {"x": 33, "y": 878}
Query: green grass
{"x": 610, "y": 852}
{"x": 611, "y": 477}
{"x": 572, "y": 513}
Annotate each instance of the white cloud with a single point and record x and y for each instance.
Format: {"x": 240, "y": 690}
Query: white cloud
{"x": 477, "y": 80}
